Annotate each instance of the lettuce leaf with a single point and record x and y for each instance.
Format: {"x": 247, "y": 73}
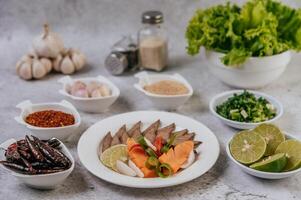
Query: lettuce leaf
{"x": 258, "y": 28}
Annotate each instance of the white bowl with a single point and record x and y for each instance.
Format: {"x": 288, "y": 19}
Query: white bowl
{"x": 60, "y": 133}
{"x": 88, "y": 147}
{"x": 40, "y": 181}
{"x": 92, "y": 105}
{"x": 164, "y": 102}
{"x": 261, "y": 174}
{"x": 256, "y": 72}
{"x": 221, "y": 98}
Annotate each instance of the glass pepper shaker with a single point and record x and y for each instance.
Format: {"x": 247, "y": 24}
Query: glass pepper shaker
{"x": 152, "y": 42}
{"x": 123, "y": 56}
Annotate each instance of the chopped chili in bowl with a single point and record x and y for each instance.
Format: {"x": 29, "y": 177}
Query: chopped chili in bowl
{"x": 50, "y": 118}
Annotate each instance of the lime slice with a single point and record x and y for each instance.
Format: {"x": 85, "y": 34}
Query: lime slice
{"x": 247, "y": 147}
{"x": 272, "y": 135}
{"x": 292, "y": 150}
{"x": 118, "y": 153}
{"x": 274, "y": 163}
{"x": 112, "y": 154}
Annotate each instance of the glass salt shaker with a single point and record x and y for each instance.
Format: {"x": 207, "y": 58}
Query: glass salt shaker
{"x": 152, "y": 42}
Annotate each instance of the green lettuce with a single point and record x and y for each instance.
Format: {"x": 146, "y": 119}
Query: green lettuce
{"x": 258, "y": 28}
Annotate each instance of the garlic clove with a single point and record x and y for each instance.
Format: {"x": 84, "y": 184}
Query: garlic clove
{"x": 57, "y": 63}
{"x": 49, "y": 44}
{"x": 47, "y": 64}
{"x": 25, "y": 71}
{"x": 77, "y": 85}
{"x": 78, "y": 59}
{"x": 105, "y": 90}
{"x": 38, "y": 69}
{"x": 96, "y": 93}
{"x": 81, "y": 93}
{"x": 93, "y": 85}
{"x": 67, "y": 67}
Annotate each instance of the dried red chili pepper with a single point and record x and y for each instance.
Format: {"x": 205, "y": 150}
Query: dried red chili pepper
{"x": 34, "y": 150}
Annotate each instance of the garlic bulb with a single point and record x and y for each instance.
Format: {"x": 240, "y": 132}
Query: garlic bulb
{"x": 24, "y": 69}
{"x": 49, "y": 44}
{"x": 78, "y": 58}
{"x": 69, "y": 61}
{"x": 47, "y": 64}
{"x": 30, "y": 66}
{"x": 57, "y": 62}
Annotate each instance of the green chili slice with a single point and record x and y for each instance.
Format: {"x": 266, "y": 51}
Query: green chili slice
{"x": 142, "y": 142}
{"x": 152, "y": 162}
{"x": 151, "y": 152}
{"x": 165, "y": 148}
{"x": 160, "y": 170}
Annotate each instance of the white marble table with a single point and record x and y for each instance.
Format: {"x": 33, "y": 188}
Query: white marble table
{"x": 95, "y": 25}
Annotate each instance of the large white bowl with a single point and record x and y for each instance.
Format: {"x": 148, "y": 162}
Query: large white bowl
{"x": 256, "y": 72}
{"x": 89, "y": 142}
{"x": 40, "y": 181}
{"x": 163, "y": 102}
{"x": 60, "y": 133}
{"x": 261, "y": 174}
{"x": 91, "y": 105}
{"x": 221, "y": 98}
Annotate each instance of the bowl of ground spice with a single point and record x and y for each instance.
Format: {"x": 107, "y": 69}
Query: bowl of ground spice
{"x": 48, "y": 120}
{"x": 166, "y": 92}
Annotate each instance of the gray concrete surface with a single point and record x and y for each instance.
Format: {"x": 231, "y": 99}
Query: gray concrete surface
{"x": 93, "y": 26}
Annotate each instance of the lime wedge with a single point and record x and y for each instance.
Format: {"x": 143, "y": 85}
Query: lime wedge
{"x": 274, "y": 163}
{"x": 119, "y": 153}
{"x": 292, "y": 150}
{"x": 112, "y": 154}
{"x": 272, "y": 135}
{"x": 247, "y": 147}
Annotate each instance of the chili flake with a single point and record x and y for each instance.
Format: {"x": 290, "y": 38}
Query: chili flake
{"x": 50, "y": 118}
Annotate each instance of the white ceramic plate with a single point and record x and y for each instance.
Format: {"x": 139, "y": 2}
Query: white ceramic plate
{"x": 221, "y": 98}
{"x": 260, "y": 174}
{"x": 89, "y": 142}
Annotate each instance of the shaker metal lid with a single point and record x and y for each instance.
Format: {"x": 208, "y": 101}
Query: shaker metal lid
{"x": 116, "y": 63}
{"x": 152, "y": 17}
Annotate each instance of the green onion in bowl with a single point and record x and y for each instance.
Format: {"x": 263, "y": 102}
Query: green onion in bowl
{"x": 245, "y": 107}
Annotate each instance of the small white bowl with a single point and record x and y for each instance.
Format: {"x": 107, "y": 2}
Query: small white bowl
{"x": 165, "y": 102}
{"x": 221, "y": 98}
{"x": 256, "y": 72}
{"x": 92, "y": 105}
{"x": 261, "y": 174}
{"x": 60, "y": 133}
{"x": 40, "y": 181}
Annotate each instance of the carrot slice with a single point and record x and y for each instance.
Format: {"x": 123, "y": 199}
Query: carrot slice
{"x": 176, "y": 157}
{"x": 138, "y": 156}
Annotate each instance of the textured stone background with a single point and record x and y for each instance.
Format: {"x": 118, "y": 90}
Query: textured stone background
{"x": 93, "y": 26}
